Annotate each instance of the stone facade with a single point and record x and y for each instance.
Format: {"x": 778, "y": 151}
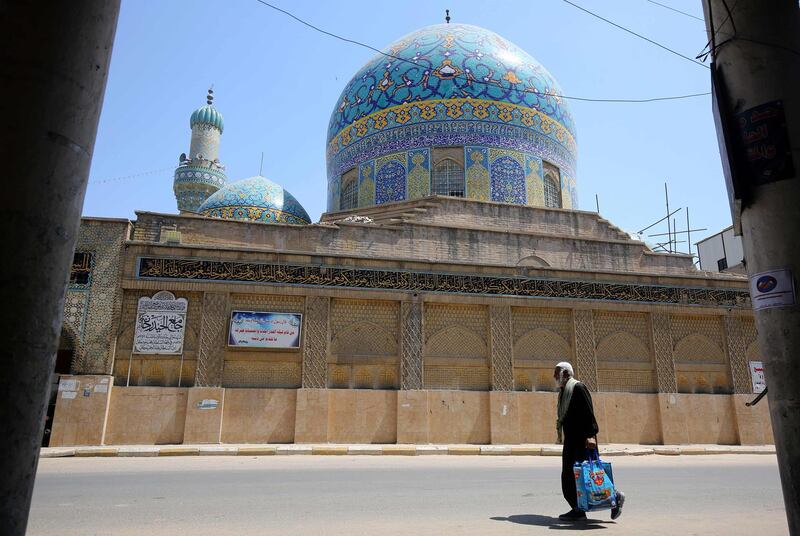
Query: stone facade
{"x": 422, "y": 309}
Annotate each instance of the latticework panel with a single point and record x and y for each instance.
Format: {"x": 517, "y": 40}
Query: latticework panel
{"x": 541, "y": 345}
{"x": 622, "y": 347}
{"x": 501, "y": 358}
{"x": 585, "y": 361}
{"x": 267, "y": 303}
{"x": 709, "y": 327}
{"x": 737, "y": 353}
{"x": 315, "y": 347}
{"x": 345, "y": 313}
{"x": 623, "y": 352}
{"x": 636, "y": 324}
{"x": 629, "y": 381}
{"x": 211, "y": 353}
{"x": 456, "y": 342}
{"x": 411, "y": 346}
{"x": 662, "y": 348}
{"x": 697, "y": 349}
{"x": 526, "y": 319}
{"x": 458, "y": 378}
{"x": 364, "y": 328}
{"x": 472, "y": 318}
{"x": 698, "y": 339}
{"x": 283, "y": 375}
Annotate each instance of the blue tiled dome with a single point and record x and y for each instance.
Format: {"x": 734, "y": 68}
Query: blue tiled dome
{"x": 208, "y": 115}
{"x": 449, "y": 85}
{"x": 255, "y": 199}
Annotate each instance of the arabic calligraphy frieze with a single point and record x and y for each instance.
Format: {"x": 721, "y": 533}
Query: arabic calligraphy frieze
{"x": 247, "y": 272}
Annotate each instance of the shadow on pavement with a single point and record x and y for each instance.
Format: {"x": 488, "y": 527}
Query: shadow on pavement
{"x": 554, "y": 522}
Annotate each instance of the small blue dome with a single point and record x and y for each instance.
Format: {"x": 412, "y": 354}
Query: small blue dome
{"x": 255, "y": 199}
{"x": 207, "y": 115}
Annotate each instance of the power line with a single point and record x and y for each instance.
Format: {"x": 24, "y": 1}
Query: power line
{"x": 676, "y": 10}
{"x": 640, "y": 36}
{"x": 133, "y": 176}
{"x": 481, "y": 82}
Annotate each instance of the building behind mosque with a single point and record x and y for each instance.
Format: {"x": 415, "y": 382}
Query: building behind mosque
{"x": 451, "y": 271}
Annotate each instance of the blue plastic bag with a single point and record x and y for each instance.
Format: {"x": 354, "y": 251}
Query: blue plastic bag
{"x": 594, "y": 484}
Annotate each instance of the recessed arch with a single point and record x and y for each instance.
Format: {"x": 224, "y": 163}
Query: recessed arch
{"x": 364, "y": 338}
{"x": 455, "y": 341}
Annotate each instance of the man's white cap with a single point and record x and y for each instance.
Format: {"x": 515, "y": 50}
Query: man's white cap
{"x": 566, "y": 366}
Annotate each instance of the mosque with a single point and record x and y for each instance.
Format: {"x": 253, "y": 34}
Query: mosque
{"x": 451, "y": 271}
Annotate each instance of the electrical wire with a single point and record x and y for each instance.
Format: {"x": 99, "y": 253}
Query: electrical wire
{"x": 133, "y": 176}
{"x": 640, "y": 36}
{"x": 481, "y": 82}
{"x": 676, "y": 10}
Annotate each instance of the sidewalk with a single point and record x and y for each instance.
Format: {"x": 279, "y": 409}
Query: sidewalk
{"x": 122, "y": 451}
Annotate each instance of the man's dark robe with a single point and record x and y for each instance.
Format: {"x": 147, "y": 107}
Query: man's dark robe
{"x": 579, "y": 424}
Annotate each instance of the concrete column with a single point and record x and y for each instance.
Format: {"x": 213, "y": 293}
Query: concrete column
{"x": 53, "y": 68}
{"x": 585, "y": 360}
{"x": 661, "y": 333}
{"x": 315, "y": 344}
{"x": 211, "y": 351}
{"x": 758, "y": 65}
{"x": 411, "y": 345}
{"x": 501, "y": 348}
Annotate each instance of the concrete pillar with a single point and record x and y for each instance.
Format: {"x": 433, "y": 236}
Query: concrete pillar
{"x": 758, "y": 66}
{"x": 585, "y": 360}
{"x": 211, "y": 351}
{"x": 411, "y": 345}
{"x": 53, "y": 68}
{"x": 315, "y": 343}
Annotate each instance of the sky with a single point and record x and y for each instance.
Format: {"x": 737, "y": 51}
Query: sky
{"x": 276, "y": 83}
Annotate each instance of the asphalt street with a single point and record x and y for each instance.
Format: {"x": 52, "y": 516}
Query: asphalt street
{"x": 332, "y": 495}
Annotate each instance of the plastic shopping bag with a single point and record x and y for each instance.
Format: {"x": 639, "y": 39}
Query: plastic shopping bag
{"x": 594, "y": 484}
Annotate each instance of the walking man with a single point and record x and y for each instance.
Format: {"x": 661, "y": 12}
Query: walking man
{"x": 577, "y": 429}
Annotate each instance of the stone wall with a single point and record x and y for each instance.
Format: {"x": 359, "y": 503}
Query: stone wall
{"x": 91, "y": 309}
{"x": 442, "y": 230}
{"x": 151, "y": 415}
{"x": 480, "y": 344}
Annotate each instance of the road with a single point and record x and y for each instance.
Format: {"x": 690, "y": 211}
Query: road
{"x": 332, "y": 495}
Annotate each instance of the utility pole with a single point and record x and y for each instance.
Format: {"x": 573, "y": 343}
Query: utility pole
{"x": 756, "y": 76}
{"x": 54, "y": 60}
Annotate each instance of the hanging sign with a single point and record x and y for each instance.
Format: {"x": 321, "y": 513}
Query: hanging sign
{"x": 772, "y": 289}
{"x": 757, "y": 375}
{"x": 765, "y": 143}
{"x": 160, "y": 324}
{"x": 265, "y": 330}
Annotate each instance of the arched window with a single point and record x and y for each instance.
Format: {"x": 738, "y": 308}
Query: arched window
{"x": 349, "y": 195}
{"x": 552, "y": 185}
{"x": 448, "y": 178}
{"x": 552, "y": 193}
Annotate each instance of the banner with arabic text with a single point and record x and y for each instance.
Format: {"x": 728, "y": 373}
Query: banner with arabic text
{"x": 265, "y": 330}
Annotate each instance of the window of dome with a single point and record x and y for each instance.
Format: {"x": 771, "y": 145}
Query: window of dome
{"x": 349, "y": 195}
{"x": 448, "y": 178}
{"x": 552, "y": 191}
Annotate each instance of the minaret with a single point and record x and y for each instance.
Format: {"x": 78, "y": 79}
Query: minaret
{"x": 200, "y": 174}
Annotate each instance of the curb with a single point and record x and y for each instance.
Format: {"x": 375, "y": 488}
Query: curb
{"x": 132, "y": 451}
